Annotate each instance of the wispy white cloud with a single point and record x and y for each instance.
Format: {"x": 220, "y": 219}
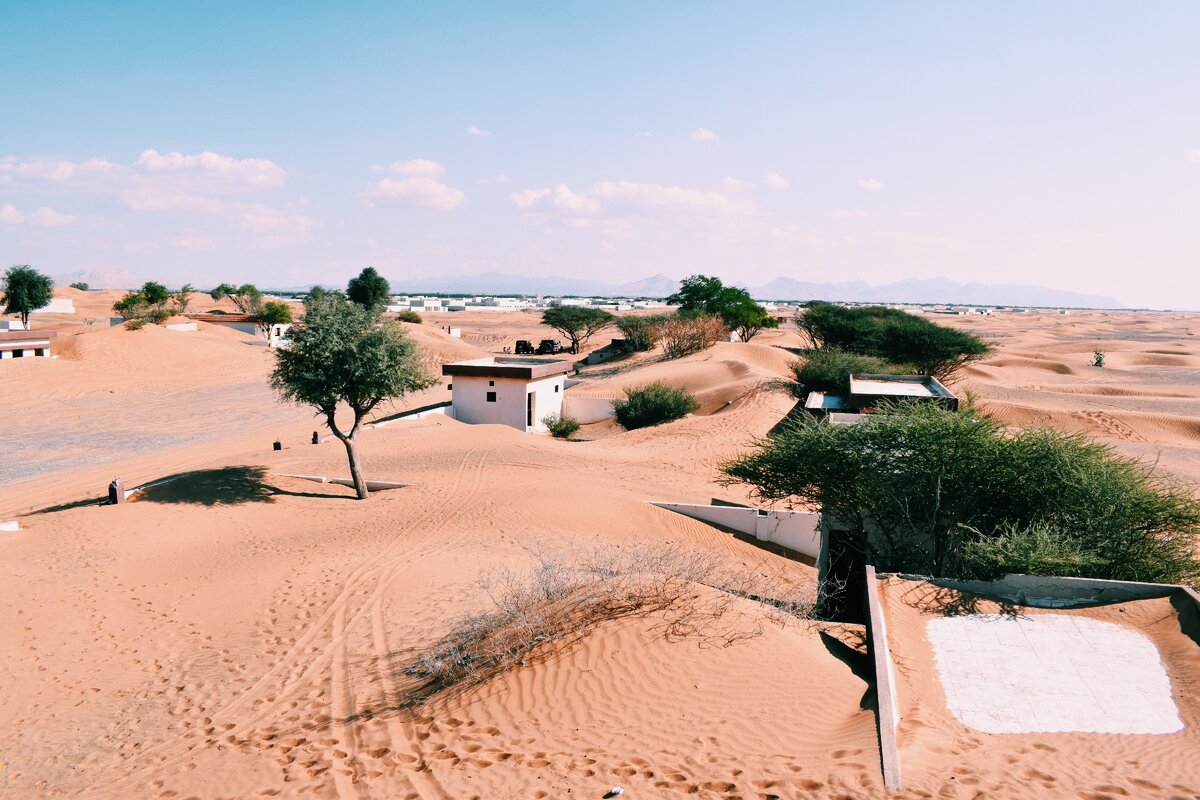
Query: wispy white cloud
{"x": 870, "y": 184}
{"x": 417, "y": 168}
{"x": 191, "y": 240}
{"x": 424, "y": 192}
{"x": 621, "y": 198}
{"x": 497, "y": 179}
{"x": 477, "y": 131}
{"x": 776, "y": 181}
{"x": 43, "y": 217}
{"x": 527, "y": 198}
{"x": 735, "y": 185}
{"x": 702, "y": 135}
{"x": 248, "y": 172}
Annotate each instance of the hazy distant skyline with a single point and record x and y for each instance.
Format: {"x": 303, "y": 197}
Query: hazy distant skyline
{"x": 289, "y": 143}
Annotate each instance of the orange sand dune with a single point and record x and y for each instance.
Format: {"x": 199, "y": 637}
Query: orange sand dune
{"x": 235, "y": 633}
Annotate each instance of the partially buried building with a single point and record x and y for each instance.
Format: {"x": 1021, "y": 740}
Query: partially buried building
{"x": 518, "y": 392}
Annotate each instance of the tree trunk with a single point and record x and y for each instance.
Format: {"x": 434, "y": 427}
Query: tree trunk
{"x": 356, "y": 473}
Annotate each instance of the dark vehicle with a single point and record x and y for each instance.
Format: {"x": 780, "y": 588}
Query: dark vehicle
{"x": 549, "y": 347}
{"x": 524, "y": 347}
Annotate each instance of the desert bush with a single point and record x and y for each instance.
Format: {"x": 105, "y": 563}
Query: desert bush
{"x": 1098, "y": 358}
{"x": 922, "y": 489}
{"x": 682, "y": 335}
{"x": 641, "y": 333}
{"x": 561, "y": 427}
{"x": 829, "y": 370}
{"x": 546, "y": 609}
{"x": 135, "y": 324}
{"x": 132, "y": 306}
{"x": 1036, "y": 550}
{"x": 159, "y": 315}
{"x": 653, "y": 404}
{"x": 80, "y": 285}
{"x": 893, "y": 335}
{"x": 408, "y": 315}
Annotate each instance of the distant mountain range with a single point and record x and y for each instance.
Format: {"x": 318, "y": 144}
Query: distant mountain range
{"x": 930, "y": 290}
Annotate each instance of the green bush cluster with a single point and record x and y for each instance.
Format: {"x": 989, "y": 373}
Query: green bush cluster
{"x": 922, "y": 489}
{"x": 892, "y": 335}
{"x": 641, "y": 333}
{"x": 653, "y": 404}
{"x": 829, "y": 370}
{"x": 408, "y": 315}
{"x": 560, "y": 427}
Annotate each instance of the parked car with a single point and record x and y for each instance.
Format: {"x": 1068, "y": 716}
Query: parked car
{"x": 524, "y": 347}
{"x": 549, "y": 347}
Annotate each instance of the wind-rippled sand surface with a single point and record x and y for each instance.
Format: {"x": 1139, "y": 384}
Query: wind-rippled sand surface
{"x": 239, "y": 634}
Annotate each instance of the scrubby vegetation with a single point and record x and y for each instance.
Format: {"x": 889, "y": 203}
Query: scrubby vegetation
{"x": 895, "y": 336}
{"x": 956, "y": 494}
{"x": 272, "y": 312}
{"x": 829, "y": 370}
{"x": 560, "y": 427}
{"x": 80, "y": 285}
{"x": 1098, "y": 358}
{"x": 408, "y": 315}
{"x": 532, "y": 615}
{"x": 653, "y": 404}
{"x": 641, "y": 333}
{"x": 153, "y": 303}
{"x": 683, "y": 335}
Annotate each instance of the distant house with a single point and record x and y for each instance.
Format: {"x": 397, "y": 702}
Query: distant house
{"x": 868, "y": 391}
{"x": 239, "y": 322}
{"x": 518, "y": 392}
{"x": 19, "y": 343}
{"x": 58, "y": 305}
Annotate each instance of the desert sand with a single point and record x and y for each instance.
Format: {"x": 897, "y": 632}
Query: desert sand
{"x": 235, "y": 633}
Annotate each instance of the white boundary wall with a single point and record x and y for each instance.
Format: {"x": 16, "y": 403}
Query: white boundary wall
{"x": 795, "y": 530}
{"x": 587, "y": 409}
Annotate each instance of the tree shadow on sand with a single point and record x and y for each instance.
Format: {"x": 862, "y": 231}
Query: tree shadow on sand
{"x": 227, "y": 486}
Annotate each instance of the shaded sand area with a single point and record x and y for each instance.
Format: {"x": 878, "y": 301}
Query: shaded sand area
{"x": 234, "y": 633}
{"x": 1081, "y": 728}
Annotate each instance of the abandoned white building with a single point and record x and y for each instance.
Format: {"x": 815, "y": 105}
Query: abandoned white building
{"x": 19, "y": 343}
{"x": 518, "y": 392}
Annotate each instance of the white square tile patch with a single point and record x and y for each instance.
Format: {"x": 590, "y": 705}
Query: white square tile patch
{"x": 1051, "y": 673}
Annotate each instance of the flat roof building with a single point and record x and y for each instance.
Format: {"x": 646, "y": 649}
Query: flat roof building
{"x": 518, "y": 392}
{"x": 25, "y": 344}
{"x": 868, "y": 391}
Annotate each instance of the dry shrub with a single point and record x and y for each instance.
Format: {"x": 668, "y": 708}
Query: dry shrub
{"x": 682, "y": 336}
{"x": 550, "y": 607}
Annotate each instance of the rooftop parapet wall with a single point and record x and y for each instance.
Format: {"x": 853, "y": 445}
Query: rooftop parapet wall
{"x": 520, "y": 368}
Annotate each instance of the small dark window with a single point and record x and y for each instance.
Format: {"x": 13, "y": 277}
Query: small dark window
{"x": 491, "y": 397}
{"x": 18, "y": 353}
{"x": 491, "y": 383}
{"x": 449, "y": 385}
{"x": 556, "y": 388}
{"x": 39, "y": 352}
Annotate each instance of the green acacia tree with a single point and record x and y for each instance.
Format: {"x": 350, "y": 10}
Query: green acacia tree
{"x": 921, "y": 489}
{"x": 369, "y": 289}
{"x": 246, "y": 298}
{"x": 344, "y": 353}
{"x": 25, "y": 290}
{"x": 706, "y": 295}
{"x": 273, "y": 312}
{"x": 577, "y": 323}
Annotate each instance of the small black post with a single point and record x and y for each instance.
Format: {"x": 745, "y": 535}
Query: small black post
{"x": 116, "y": 492}
{"x": 278, "y": 445}
{"x": 316, "y": 438}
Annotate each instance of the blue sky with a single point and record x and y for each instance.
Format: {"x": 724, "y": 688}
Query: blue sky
{"x": 287, "y": 143}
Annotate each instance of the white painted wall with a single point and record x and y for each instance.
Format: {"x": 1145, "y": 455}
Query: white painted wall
{"x": 471, "y": 406}
{"x": 795, "y": 530}
{"x": 58, "y": 305}
{"x": 588, "y": 409}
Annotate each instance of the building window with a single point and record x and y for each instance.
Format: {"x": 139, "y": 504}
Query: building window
{"x": 491, "y": 383}
{"x": 556, "y": 388}
{"x": 449, "y": 386}
{"x": 18, "y": 353}
{"x": 491, "y": 397}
